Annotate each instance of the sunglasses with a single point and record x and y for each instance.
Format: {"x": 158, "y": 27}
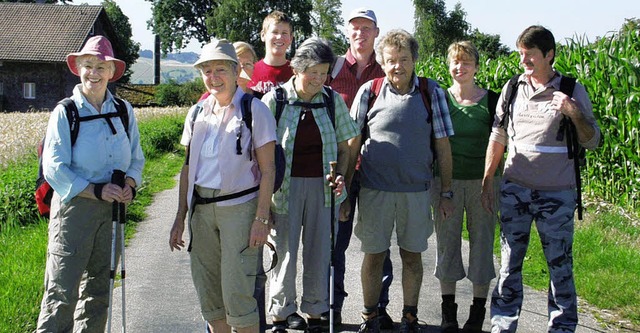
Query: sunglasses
{"x": 274, "y": 258}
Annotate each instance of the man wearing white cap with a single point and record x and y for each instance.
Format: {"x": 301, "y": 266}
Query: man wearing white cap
{"x": 352, "y": 70}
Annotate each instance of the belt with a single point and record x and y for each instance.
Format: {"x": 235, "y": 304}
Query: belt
{"x": 198, "y": 200}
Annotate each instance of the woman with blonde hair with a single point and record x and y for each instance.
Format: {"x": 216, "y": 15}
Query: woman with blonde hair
{"x": 472, "y": 109}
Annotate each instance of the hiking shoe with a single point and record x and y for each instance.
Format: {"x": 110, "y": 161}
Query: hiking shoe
{"x": 371, "y": 325}
{"x": 386, "y": 323}
{"x": 475, "y": 321}
{"x": 296, "y": 322}
{"x": 337, "y": 318}
{"x": 449, "y": 322}
{"x": 415, "y": 326}
{"x": 279, "y": 327}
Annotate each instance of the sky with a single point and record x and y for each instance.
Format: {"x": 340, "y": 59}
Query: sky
{"x": 507, "y": 18}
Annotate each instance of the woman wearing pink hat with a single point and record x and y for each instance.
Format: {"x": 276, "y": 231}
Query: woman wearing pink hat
{"x": 78, "y": 268}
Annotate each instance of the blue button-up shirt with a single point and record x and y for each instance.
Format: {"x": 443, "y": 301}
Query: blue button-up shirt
{"x": 97, "y": 151}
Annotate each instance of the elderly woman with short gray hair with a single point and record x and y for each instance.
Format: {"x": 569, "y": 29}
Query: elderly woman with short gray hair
{"x": 312, "y": 133}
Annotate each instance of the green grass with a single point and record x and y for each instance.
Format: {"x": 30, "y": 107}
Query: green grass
{"x": 22, "y": 261}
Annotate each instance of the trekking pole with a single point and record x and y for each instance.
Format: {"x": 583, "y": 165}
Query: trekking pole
{"x": 122, "y": 221}
{"x": 116, "y": 178}
{"x": 332, "y": 173}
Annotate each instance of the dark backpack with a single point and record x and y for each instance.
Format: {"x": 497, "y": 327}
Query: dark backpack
{"x": 44, "y": 192}
{"x": 247, "y": 119}
{"x": 567, "y": 129}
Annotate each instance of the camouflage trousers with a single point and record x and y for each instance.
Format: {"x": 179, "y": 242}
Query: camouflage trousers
{"x": 553, "y": 213}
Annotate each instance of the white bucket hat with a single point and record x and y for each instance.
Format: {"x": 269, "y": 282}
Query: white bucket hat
{"x": 217, "y": 49}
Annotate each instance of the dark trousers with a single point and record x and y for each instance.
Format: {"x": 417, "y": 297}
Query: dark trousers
{"x": 343, "y": 239}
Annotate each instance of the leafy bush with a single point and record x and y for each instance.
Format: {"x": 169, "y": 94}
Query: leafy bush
{"x": 174, "y": 94}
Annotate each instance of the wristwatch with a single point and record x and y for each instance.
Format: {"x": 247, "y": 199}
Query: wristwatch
{"x": 448, "y": 195}
{"x": 262, "y": 220}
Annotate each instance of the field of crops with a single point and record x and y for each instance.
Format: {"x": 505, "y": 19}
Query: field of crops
{"x": 20, "y": 132}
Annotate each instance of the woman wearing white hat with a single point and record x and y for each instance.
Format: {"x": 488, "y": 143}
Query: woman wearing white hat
{"x": 226, "y": 186}
{"x": 78, "y": 255}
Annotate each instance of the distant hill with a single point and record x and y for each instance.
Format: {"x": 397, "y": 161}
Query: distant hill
{"x": 176, "y": 66}
{"x": 184, "y": 57}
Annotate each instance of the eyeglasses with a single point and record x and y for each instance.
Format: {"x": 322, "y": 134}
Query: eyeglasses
{"x": 274, "y": 258}
{"x": 247, "y": 65}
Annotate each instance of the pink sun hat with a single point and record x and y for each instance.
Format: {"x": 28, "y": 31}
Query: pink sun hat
{"x": 100, "y": 47}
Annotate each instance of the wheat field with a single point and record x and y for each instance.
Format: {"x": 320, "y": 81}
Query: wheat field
{"x": 20, "y": 132}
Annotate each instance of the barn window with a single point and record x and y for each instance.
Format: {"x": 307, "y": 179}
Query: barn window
{"x": 29, "y": 90}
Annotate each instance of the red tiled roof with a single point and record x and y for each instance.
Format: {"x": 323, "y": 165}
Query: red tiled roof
{"x": 44, "y": 32}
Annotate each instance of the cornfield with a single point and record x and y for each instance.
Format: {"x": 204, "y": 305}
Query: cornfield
{"x": 610, "y": 71}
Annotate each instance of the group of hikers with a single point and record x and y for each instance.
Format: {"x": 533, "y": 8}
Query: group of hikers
{"x": 359, "y": 137}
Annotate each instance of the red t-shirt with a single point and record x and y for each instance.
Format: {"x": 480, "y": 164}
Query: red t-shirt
{"x": 266, "y": 76}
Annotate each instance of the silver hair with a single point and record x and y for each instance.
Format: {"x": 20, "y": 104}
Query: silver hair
{"x": 313, "y": 51}
{"x": 398, "y": 39}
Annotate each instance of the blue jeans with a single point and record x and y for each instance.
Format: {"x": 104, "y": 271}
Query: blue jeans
{"x": 345, "y": 229}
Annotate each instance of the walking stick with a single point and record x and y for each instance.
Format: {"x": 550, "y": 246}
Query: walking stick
{"x": 332, "y": 173}
{"x": 116, "y": 178}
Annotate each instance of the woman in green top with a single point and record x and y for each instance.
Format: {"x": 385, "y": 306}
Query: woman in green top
{"x": 472, "y": 119}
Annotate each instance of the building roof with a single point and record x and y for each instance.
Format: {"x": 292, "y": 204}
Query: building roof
{"x": 44, "y": 32}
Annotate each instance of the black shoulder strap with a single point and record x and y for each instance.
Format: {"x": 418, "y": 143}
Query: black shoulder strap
{"x": 73, "y": 117}
{"x": 121, "y": 107}
{"x": 281, "y": 101}
{"x": 330, "y": 104}
{"x": 567, "y": 84}
{"x": 247, "y": 119}
{"x": 245, "y": 107}
{"x": 492, "y": 97}
{"x": 195, "y": 114}
{"x": 512, "y": 89}
{"x": 575, "y": 150}
{"x": 425, "y": 92}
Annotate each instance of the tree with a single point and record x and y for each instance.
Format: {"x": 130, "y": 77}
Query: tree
{"x": 178, "y": 21}
{"x": 487, "y": 44}
{"x": 122, "y": 31}
{"x": 325, "y": 18}
{"x": 435, "y": 29}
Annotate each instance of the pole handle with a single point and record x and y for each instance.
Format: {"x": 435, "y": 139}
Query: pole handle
{"x": 332, "y": 172}
{"x": 118, "y": 177}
